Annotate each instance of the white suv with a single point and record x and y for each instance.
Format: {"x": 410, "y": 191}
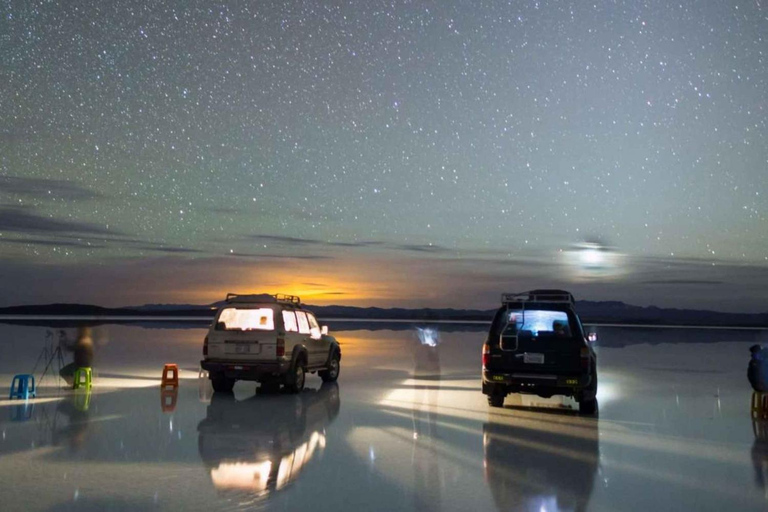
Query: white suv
{"x": 269, "y": 339}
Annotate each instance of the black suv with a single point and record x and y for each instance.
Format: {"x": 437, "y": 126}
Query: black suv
{"x": 537, "y": 346}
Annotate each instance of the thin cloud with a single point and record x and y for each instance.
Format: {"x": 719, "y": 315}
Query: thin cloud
{"x": 46, "y": 188}
{"x": 294, "y": 241}
{"x": 279, "y": 256}
{"x": 682, "y": 282}
{"x": 170, "y": 250}
{"x": 51, "y": 243}
{"x": 20, "y": 220}
{"x": 286, "y": 240}
{"x": 428, "y": 248}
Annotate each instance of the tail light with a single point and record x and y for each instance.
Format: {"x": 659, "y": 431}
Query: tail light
{"x": 486, "y": 355}
{"x": 280, "y": 346}
{"x": 205, "y": 346}
{"x": 585, "y": 358}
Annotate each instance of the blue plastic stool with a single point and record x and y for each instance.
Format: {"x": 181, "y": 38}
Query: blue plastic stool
{"x": 23, "y": 389}
{"x": 22, "y": 411}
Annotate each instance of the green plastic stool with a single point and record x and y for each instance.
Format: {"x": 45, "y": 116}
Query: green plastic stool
{"x": 83, "y": 378}
{"x": 82, "y": 399}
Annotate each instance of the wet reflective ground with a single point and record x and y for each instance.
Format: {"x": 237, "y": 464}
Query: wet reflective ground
{"x": 406, "y": 428}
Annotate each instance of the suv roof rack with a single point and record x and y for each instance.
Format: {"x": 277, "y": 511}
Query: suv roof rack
{"x": 263, "y": 297}
{"x": 554, "y": 296}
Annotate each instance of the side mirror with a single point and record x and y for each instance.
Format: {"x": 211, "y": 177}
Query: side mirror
{"x": 592, "y": 337}
{"x": 324, "y": 330}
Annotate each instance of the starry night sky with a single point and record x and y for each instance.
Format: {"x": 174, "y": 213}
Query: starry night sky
{"x": 429, "y": 153}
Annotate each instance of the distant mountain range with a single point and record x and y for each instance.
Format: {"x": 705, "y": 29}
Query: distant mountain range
{"x": 611, "y": 312}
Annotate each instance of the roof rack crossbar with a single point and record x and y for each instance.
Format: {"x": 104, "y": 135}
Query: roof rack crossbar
{"x": 290, "y": 299}
{"x": 552, "y": 296}
{"x": 278, "y": 297}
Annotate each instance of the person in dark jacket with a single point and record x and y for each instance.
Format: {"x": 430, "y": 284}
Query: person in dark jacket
{"x": 757, "y": 371}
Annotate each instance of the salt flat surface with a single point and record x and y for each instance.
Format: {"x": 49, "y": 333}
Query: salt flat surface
{"x": 406, "y": 428}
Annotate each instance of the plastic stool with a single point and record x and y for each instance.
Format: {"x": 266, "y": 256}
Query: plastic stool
{"x": 204, "y": 388}
{"x": 83, "y": 378}
{"x": 82, "y": 399}
{"x": 25, "y": 387}
{"x": 170, "y": 380}
{"x": 759, "y": 404}
{"x": 22, "y": 411}
{"x": 168, "y": 398}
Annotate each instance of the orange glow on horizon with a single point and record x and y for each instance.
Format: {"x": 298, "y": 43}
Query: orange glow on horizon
{"x": 349, "y": 284}
{"x": 348, "y": 281}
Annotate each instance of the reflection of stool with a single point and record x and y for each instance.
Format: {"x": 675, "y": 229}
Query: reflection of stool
{"x": 204, "y": 389}
{"x": 759, "y": 405}
{"x": 22, "y": 412}
{"x": 25, "y": 387}
{"x": 83, "y": 378}
{"x": 760, "y": 429}
{"x": 170, "y": 380}
{"x": 168, "y": 399}
{"x": 82, "y": 399}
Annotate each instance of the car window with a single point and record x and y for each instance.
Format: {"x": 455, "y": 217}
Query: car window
{"x": 233, "y": 319}
{"x": 303, "y": 322}
{"x": 538, "y": 324}
{"x": 314, "y": 327}
{"x": 290, "y": 322}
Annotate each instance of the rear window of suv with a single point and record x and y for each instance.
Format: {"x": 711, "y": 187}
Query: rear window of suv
{"x": 537, "y": 323}
{"x": 233, "y": 319}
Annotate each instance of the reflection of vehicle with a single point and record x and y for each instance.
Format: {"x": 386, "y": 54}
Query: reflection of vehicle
{"x": 269, "y": 339}
{"x": 537, "y": 346}
{"x": 259, "y": 445}
{"x": 531, "y": 469}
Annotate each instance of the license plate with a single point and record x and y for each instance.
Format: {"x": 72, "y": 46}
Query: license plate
{"x": 498, "y": 377}
{"x": 242, "y": 348}
{"x": 533, "y": 358}
{"x": 571, "y": 382}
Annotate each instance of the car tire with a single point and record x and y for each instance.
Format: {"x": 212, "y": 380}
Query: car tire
{"x": 296, "y": 377}
{"x": 588, "y": 402}
{"x": 496, "y": 400}
{"x": 222, "y": 384}
{"x": 332, "y": 372}
{"x": 588, "y": 406}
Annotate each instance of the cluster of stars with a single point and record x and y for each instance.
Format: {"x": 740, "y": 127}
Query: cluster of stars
{"x": 190, "y": 129}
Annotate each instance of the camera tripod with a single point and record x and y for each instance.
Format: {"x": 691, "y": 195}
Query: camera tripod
{"x": 49, "y": 354}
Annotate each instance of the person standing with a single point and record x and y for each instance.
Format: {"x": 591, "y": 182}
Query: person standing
{"x": 757, "y": 371}
{"x": 83, "y": 354}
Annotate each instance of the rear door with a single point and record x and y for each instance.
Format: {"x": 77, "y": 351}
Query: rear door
{"x": 320, "y": 344}
{"x": 292, "y": 335}
{"x": 541, "y": 341}
{"x": 244, "y": 332}
{"x": 305, "y": 332}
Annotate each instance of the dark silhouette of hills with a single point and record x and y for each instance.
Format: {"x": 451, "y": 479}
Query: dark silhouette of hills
{"x": 608, "y": 312}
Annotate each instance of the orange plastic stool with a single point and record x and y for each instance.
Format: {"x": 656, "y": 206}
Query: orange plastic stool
{"x": 168, "y": 398}
{"x": 173, "y": 378}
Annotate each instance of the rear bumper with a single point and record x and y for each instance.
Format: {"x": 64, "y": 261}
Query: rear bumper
{"x": 246, "y": 371}
{"x": 536, "y": 383}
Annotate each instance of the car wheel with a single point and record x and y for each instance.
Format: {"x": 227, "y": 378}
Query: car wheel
{"x": 222, "y": 384}
{"x": 332, "y": 373}
{"x": 296, "y": 378}
{"x": 496, "y": 400}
